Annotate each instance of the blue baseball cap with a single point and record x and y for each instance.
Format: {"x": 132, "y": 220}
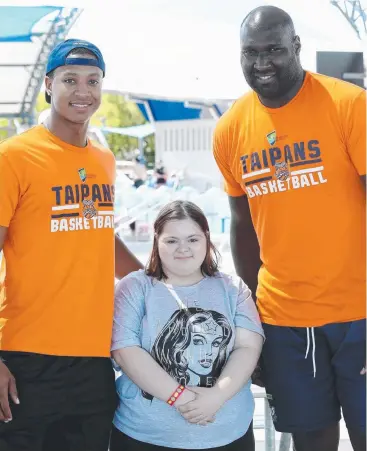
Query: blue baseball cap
{"x": 59, "y": 57}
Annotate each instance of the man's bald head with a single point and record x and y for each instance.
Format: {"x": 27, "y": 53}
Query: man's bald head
{"x": 265, "y": 18}
{"x": 270, "y": 52}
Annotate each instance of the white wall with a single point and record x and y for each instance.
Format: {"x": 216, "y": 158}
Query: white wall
{"x": 187, "y": 145}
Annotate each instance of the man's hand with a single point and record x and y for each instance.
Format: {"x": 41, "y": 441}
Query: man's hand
{"x": 363, "y": 371}
{"x": 7, "y": 388}
{"x": 257, "y": 376}
{"x": 203, "y": 408}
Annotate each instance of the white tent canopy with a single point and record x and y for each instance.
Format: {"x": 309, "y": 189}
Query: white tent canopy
{"x": 190, "y": 48}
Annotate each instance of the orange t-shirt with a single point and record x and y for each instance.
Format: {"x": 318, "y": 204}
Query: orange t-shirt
{"x": 57, "y": 278}
{"x": 300, "y": 167}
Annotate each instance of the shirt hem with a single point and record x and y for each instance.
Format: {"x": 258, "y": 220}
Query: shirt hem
{"x": 172, "y": 444}
{"x": 245, "y": 325}
{"x": 124, "y": 344}
{"x": 235, "y": 194}
{"x": 309, "y": 323}
{"x": 54, "y": 352}
{"x": 4, "y": 223}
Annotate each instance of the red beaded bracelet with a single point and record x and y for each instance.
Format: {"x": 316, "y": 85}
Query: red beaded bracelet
{"x": 175, "y": 395}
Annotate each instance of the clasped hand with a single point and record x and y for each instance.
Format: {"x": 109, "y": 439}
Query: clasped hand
{"x": 203, "y": 408}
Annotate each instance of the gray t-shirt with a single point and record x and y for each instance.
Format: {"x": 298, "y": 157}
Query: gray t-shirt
{"x": 190, "y": 333}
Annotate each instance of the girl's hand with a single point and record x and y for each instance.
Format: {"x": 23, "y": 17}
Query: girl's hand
{"x": 203, "y": 408}
{"x": 186, "y": 397}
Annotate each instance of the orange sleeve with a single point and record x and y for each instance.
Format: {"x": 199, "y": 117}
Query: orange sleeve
{"x": 9, "y": 191}
{"x": 221, "y": 154}
{"x": 356, "y": 133}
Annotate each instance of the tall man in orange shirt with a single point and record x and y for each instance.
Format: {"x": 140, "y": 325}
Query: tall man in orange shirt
{"x": 293, "y": 156}
{"x": 57, "y": 278}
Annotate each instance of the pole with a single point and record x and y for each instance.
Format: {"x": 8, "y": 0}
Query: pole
{"x": 269, "y": 428}
{"x": 285, "y": 442}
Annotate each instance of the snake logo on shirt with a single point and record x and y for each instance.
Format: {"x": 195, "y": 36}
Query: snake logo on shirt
{"x": 281, "y": 171}
{"x": 89, "y": 210}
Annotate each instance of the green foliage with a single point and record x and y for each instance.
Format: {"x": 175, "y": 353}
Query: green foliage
{"x": 41, "y": 103}
{"x": 115, "y": 111}
{"x": 3, "y": 133}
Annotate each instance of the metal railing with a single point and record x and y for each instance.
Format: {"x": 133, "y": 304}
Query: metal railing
{"x": 268, "y": 426}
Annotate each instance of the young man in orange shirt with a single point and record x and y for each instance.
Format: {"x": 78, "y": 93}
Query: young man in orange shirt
{"x": 57, "y": 277}
{"x": 293, "y": 156}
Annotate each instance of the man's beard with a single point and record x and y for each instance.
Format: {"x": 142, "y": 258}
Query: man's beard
{"x": 283, "y": 82}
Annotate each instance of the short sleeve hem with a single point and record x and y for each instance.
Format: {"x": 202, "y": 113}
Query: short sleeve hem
{"x": 233, "y": 192}
{"x": 128, "y": 343}
{"x": 242, "y": 323}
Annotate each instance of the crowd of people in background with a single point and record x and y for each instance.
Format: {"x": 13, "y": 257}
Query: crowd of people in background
{"x": 153, "y": 178}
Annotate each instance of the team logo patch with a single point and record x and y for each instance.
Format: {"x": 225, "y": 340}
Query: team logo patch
{"x": 89, "y": 210}
{"x": 272, "y": 137}
{"x": 82, "y": 174}
{"x": 281, "y": 171}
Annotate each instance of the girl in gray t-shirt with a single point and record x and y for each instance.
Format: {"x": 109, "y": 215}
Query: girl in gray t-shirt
{"x": 187, "y": 338}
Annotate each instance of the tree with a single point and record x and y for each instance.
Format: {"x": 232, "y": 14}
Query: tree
{"x": 4, "y": 123}
{"x": 115, "y": 111}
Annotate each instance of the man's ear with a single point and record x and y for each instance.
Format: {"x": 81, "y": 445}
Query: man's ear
{"x": 48, "y": 85}
{"x": 297, "y": 45}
